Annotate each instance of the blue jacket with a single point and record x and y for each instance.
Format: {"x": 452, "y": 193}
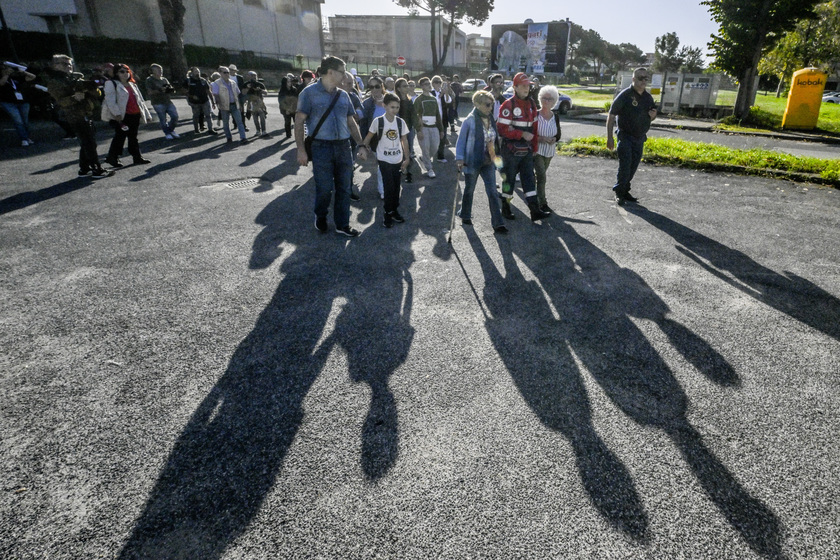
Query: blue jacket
{"x": 470, "y": 147}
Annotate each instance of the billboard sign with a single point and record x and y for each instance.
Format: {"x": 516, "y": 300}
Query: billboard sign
{"x": 533, "y": 48}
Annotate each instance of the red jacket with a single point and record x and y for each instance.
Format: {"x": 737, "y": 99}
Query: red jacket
{"x": 516, "y": 116}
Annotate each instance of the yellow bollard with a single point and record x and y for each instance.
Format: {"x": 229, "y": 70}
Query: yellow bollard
{"x": 803, "y": 104}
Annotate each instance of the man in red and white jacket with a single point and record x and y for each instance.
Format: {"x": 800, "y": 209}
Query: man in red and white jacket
{"x": 517, "y": 126}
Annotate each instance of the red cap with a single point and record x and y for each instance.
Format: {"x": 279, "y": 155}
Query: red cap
{"x": 521, "y": 78}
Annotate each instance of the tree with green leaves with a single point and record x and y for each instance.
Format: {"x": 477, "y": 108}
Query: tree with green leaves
{"x": 813, "y": 42}
{"x": 666, "y": 55}
{"x": 691, "y": 60}
{"x": 747, "y": 30}
{"x": 474, "y": 12}
{"x": 624, "y": 56}
{"x": 172, "y": 16}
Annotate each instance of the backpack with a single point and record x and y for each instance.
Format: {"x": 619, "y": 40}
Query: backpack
{"x": 376, "y": 137}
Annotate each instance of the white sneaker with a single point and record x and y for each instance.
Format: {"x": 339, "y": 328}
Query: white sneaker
{"x": 431, "y": 174}
{"x": 168, "y": 137}
{"x": 24, "y": 143}
{"x": 174, "y": 134}
{"x": 31, "y": 142}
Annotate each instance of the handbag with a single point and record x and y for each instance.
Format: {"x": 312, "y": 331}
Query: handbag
{"x": 307, "y": 142}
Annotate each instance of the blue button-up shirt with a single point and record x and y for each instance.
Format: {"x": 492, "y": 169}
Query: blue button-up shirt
{"x": 314, "y": 100}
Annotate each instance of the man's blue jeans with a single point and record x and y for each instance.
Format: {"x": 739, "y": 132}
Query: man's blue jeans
{"x": 162, "y": 111}
{"x": 488, "y": 175}
{"x": 233, "y": 111}
{"x": 19, "y": 113}
{"x": 629, "y": 152}
{"x": 332, "y": 167}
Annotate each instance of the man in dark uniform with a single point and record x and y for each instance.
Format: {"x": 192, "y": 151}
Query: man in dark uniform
{"x": 635, "y": 109}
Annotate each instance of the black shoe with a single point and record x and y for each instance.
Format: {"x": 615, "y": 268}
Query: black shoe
{"x": 506, "y": 211}
{"x": 84, "y": 172}
{"x": 141, "y": 161}
{"x": 348, "y": 231}
{"x": 408, "y": 178}
{"x": 387, "y": 221}
{"x": 247, "y": 129}
{"x": 500, "y": 229}
{"x": 243, "y": 141}
{"x": 397, "y": 218}
{"x": 114, "y": 163}
{"x": 545, "y": 208}
{"x": 619, "y": 199}
{"x": 630, "y": 198}
{"x": 354, "y": 195}
{"x": 101, "y": 173}
{"x": 536, "y": 213}
{"x": 211, "y": 131}
{"x": 466, "y": 221}
{"x": 321, "y": 224}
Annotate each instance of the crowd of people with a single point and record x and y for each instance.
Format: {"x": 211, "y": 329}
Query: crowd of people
{"x": 337, "y": 117}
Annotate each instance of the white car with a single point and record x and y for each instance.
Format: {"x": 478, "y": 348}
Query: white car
{"x": 831, "y": 97}
{"x": 474, "y": 84}
{"x": 564, "y": 102}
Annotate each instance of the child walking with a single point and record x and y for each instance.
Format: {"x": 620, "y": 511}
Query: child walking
{"x": 389, "y": 133}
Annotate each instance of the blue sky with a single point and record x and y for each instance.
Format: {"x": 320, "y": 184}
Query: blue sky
{"x": 618, "y": 21}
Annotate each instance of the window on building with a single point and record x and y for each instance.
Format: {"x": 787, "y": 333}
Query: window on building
{"x": 458, "y": 45}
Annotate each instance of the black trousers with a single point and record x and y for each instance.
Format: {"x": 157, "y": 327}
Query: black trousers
{"x": 86, "y": 133}
{"x": 390, "y": 184}
{"x": 120, "y": 135}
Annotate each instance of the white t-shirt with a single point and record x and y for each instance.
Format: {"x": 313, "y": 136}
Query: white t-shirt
{"x": 389, "y": 148}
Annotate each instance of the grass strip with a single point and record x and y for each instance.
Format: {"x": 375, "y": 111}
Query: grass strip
{"x": 711, "y": 157}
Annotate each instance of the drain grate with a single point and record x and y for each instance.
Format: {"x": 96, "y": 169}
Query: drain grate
{"x": 252, "y": 183}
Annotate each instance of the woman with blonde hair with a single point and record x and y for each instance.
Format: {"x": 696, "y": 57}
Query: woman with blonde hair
{"x": 124, "y": 109}
{"x": 474, "y": 156}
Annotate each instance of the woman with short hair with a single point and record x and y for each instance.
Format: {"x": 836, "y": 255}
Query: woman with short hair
{"x": 548, "y": 132}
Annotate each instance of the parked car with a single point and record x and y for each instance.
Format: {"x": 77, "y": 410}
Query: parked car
{"x": 474, "y": 84}
{"x": 831, "y": 97}
{"x": 564, "y": 102}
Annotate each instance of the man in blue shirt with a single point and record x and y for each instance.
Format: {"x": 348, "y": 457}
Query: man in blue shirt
{"x": 635, "y": 109}
{"x": 332, "y": 161}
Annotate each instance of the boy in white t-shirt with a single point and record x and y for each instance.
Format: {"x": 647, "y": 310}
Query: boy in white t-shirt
{"x": 391, "y": 154}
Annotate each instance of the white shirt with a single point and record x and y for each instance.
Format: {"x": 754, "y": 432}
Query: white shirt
{"x": 389, "y": 148}
{"x": 546, "y": 127}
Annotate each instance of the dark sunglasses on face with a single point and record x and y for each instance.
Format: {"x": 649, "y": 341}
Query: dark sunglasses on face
{"x": 642, "y": 78}
{"x": 122, "y": 71}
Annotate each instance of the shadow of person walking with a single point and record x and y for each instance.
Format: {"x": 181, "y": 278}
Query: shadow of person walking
{"x": 791, "y": 294}
{"x": 334, "y": 293}
{"x": 578, "y": 309}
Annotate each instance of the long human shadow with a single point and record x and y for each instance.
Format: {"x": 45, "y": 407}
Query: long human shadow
{"x": 232, "y": 450}
{"x": 29, "y": 198}
{"x": 154, "y": 169}
{"x": 595, "y": 300}
{"x": 791, "y": 294}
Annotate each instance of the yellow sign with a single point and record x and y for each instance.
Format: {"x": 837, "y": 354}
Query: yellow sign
{"x": 803, "y": 104}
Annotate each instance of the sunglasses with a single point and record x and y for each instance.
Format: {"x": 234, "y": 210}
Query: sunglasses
{"x": 225, "y": 72}
{"x": 377, "y": 86}
{"x": 643, "y": 78}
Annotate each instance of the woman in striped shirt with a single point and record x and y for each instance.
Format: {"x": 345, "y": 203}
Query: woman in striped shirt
{"x": 548, "y": 131}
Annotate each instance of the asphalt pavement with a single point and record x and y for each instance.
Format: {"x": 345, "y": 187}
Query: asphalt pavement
{"x": 191, "y": 370}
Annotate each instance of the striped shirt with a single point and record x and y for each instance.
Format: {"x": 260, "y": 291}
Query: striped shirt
{"x": 546, "y": 127}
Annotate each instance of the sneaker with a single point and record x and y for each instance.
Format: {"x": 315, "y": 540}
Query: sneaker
{"x": 466, "y": 221}
{"x": 169, "y": 137}
{"x": 84, "y": 172}
{"x": 114, "y": 163}
{"x": 442, "y": 160}
{"x": 500, "y": 229}
{"x": 619, "y": 199}
{"x": 354, "y": 195}
{"x": 101, "y": 173}
{"x": 348, "y": 231}
{"x": 431, "y": 174}
{"x": 387, "y": 221}
{"x": 211, "y": 131}
{"x": 321, "y": 224}
{"x": 630, "y": 198}
{"x": 174, "y": 134}
{"x": 24, "y": 143}
{"x": 397, "y": 217}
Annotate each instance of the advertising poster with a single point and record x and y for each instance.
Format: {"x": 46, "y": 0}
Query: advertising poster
{"x": 534, "y": 48}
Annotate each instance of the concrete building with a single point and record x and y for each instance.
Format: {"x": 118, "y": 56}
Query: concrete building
{"x": 271, "y": 27}
{"x": 478, "y": 52}
{"x": 379, "y": 40}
